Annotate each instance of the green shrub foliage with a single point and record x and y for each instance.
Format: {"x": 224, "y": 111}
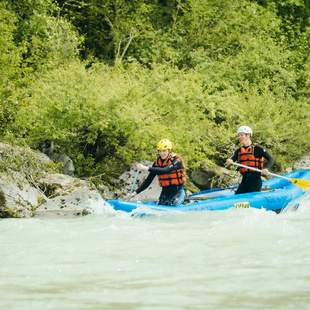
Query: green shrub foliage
{"x": 105, "y": 80}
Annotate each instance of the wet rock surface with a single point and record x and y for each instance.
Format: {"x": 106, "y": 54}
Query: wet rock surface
{"x": 28, "y": 189}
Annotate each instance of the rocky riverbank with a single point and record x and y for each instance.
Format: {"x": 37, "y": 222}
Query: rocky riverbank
{"x": 31, "y": 185}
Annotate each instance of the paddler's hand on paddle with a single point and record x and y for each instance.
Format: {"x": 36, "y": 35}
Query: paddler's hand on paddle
{"x": 142, "y": 167}
{"x": 228, "y": 162}
{"x": 265, "y": 172}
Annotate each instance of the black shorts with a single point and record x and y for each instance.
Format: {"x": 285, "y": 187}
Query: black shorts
{"x": 251, "y": 182}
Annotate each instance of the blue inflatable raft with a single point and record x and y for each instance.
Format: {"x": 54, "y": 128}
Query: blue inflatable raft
{"x": 277, "y": 194}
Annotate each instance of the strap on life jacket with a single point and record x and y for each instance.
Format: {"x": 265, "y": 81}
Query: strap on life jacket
{"x": 246, "y": 157}
{"x": 174, "y": 177}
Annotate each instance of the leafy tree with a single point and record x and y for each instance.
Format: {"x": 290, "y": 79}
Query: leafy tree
{"x": 106, "y": 118}
{"x": 188, "y": 70}
{"x": 46, "y": 39}
{"x": 9, "y": 66}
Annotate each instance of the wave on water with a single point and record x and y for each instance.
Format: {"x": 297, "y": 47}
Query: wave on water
{"x": 295, "y": 207}
{"x": 302, "y": 204}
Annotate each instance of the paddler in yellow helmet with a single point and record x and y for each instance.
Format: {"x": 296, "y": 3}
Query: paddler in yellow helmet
{"x": 170, "y": 170}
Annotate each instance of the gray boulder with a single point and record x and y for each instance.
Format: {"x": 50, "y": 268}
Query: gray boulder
{"x": 69, "y": 196}
{"x": 19, "y": 193}
{"x": 67, "y": 166}
{"x": 18, "y": 199}
{"x": 132, "y": 179}
{"x": 206, "y": 177}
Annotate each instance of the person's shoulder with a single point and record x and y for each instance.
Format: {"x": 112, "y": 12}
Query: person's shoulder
{"x": 259, "y": 147}
{"x": 175, "y": 156}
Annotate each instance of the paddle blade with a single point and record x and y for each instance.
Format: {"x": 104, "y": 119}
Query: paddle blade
{"x": 302, "y": 183}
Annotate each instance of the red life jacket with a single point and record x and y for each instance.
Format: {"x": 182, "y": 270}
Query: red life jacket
{"x": 174, "y": 177}
{"x": 246, "y": 157}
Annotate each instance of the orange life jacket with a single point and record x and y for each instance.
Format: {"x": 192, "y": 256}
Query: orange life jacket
{"x": 246, "y": 157}
{"x": 174, "y": 177}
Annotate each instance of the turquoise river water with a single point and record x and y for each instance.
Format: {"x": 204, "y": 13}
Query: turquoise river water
{"x": 235, "y": 259}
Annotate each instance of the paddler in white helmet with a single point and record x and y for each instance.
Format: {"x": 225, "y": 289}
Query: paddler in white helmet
{"x": 252, "y": 155}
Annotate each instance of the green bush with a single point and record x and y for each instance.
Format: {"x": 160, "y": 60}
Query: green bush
{"x": 106, "y": 118}
{"x": 191, "y": 71}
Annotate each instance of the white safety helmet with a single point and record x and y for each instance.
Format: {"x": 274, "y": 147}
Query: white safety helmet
{"x": 245, "y": 129}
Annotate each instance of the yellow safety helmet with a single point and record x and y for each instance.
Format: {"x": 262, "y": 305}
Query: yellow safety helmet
{"x": 164, "y": 144}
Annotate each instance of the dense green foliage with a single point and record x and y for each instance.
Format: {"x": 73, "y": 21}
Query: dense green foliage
{"x": 107, "y": 79}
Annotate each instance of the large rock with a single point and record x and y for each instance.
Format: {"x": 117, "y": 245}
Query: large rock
{"x": 67, "y": 166}
{"x": 132, "y": 179}
{"x": 69, "y": 196}
{"x": 18, "y": 199}
{"x": 19, "y": 193}
{"x": 27, "y": 187}
{"x": 209, "y": 177}
{"x": 66, "y": 162}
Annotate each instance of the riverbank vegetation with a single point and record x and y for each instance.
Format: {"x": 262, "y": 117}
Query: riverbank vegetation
{"x": 105, "y": 80}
